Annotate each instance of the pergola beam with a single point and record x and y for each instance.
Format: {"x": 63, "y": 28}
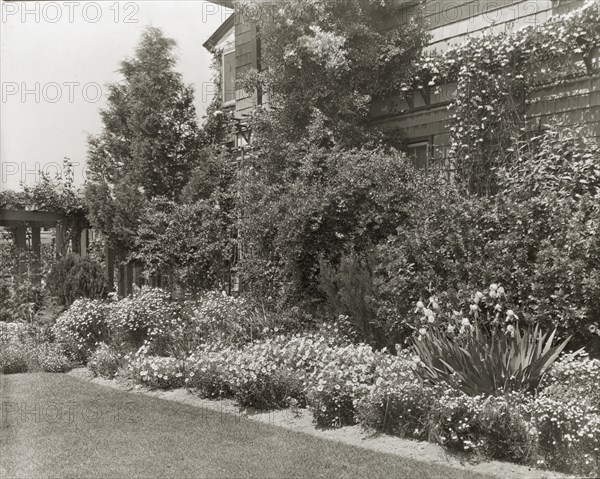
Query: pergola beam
{"x": 45, "y": 219}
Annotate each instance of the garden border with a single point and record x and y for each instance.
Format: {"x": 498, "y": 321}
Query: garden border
{"x": 301, "y": 421}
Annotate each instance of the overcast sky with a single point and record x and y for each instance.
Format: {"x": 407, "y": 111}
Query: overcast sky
{"x": 57, "y": 58}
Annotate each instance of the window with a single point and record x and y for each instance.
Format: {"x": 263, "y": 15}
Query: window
{"x": 228, "y": 76}
{"x": 419, "y": 153}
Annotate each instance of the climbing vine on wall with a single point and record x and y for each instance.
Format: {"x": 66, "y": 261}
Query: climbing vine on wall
{"x": 215, "y": 121}
{"x": 496, "y": 75}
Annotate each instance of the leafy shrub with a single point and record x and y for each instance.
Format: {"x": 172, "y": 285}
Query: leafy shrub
{"x": 21, "y": 295}
{"x": 486, "y": 364}
{"x": 28, "y": 356}
{"x": 58, "y": 275}
{"x": 216, "y": 316}
{"x": 86, "y": 279}
{"x": 441, "y": 252}
{"x": 5, "y": 302}
{"x": 191, "y": 243}
{"x": 104, "y": 362}
{"x": 82, "y": 327}
{"x": 14, "y": 332}
{"x": 14, "y": 359}
{"x": 538, "y": 236}
{"x": 75, "y": 277}
{"x": 327, "y": 202}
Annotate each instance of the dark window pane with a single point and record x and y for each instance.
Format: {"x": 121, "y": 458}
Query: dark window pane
{"x": 228, "y": 77}
{"x": 419, "y": 153}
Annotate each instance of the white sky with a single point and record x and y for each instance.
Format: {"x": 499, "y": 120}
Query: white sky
{"x": 57, "y": 58}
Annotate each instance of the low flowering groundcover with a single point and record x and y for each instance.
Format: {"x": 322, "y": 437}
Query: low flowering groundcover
{"x": 25, "y": 349}
{"x": 345, "y": 384}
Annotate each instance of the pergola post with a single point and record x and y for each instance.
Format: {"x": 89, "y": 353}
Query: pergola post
{"x": 60, "y": 239}
{"x": 125, "y": 279}
{"x": 122, "y": 289}
{"x": 36, "y": 243}
{"x": 109, "y": 261}
{"x": 21, "y": 244}
{"x": 129, "y": 276}
{"x": 138, "y": 279}
{"x": 76, "y": 242}
{"x": 84, "y": 242}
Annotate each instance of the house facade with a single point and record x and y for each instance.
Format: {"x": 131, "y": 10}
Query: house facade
{"x": 423, "y": 116}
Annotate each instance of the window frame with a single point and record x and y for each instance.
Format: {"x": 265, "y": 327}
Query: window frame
{"x": 416, "y": 143}
{"x": 228, "y": 49}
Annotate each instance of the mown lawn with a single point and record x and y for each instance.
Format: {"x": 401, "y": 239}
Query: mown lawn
{"x": 57, "y": 426}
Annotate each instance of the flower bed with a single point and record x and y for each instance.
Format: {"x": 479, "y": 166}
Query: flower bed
{"x": 348, "y": 384}
{"x": 555, "y": 423}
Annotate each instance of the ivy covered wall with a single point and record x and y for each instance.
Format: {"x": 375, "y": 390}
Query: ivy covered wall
{"x": 477, "y": 95}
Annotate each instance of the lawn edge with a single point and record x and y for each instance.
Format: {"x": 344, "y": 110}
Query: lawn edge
{"x": 301, "y": 421}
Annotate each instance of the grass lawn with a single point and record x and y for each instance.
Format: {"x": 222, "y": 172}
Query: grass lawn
{"x": 54, "y": 425}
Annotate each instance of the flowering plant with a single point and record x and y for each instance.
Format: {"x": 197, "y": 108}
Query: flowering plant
{"x": 343, "y": 377}
{"x": 495, "y": 76}
{"x": 400, "y": 408}
{"x": 104, "y": 362}
{"x": 83, "y": 327}
{"x": 574, "y": 377}
{"x": 207, "y": 371}
{"x": 568, "y": 435}
{"x": 157, "y": 372}
{"x": 485, "y": 309}
{"x": 149, "y": 314}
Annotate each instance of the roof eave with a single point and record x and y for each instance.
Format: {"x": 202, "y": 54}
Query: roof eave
{"x": 219, "y": 33}
{"x": 223, "y": 3}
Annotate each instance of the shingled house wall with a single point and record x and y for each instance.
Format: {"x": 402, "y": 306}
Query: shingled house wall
{"x": 451, "y": 22}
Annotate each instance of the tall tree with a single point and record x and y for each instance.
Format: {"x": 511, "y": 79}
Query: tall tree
{"x": 150, "y": 141}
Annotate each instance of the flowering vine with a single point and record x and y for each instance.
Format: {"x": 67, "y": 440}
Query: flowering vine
{"x": 495, "y": 77}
